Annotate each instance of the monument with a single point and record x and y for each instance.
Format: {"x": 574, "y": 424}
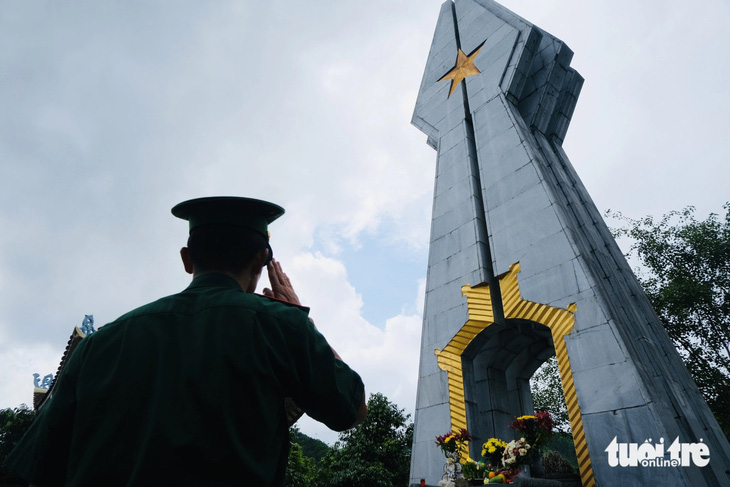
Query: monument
{"x": 522, "y": 266}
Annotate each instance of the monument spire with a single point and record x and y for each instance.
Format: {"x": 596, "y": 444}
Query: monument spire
{"x": 522, "y": 267}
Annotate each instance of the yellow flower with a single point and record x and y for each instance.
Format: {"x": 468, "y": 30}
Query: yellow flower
{"x": 527, "y": 417}
{"x": 491, "y": 445}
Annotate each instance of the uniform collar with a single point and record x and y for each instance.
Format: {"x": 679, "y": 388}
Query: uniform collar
{"x": 221, "y": 280}
{"x": 214, "y": 279}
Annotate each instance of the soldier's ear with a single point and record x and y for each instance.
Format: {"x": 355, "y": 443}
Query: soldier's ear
{"x": 187, "y": 261}
{"x": 261, "y": 258}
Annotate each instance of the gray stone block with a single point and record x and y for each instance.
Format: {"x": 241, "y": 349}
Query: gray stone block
{"x": 445, "y": 325}
{"x": 535, "y": 226}
{"x": 565, "y": 284}
{"x": 609, "y": 387}
{"x": 452, "y": 138}
{"x": 444, "y": 298}
{"x": 452, "y": 220}
{"x": 453, "y": 177}
{"x": 498, "y": 143}
{"x": 433, "y": 388}
{"x": 493, "y": 117}
{"x": 435, "y": 420}
{"x": 529, "y": 202}
{"x": 594, "y": 347}
{"x": 452, "y": 242}
{"x": 428, "y": 367}
{"x": 634, "y": 425}
{"x": 481, "y": 24}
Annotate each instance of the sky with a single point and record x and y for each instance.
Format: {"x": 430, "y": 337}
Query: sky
{"x": 113, "y": 112}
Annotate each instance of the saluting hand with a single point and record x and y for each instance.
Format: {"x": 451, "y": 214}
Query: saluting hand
{"x": 282, "y": 288}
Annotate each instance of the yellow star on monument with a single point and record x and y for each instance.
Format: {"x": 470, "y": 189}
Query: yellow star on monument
{"x": 464, "y": 67}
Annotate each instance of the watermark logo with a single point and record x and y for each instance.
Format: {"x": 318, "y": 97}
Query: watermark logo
{"x": 650, "y": 454}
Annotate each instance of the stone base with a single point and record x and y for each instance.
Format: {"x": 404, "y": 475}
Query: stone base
{"x": 533, "y": 482}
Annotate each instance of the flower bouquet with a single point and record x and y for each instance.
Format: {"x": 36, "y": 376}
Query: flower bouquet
{"x": 536, "y": 429}
{"x": 492, "y": 451}
{"x": 453, "y": 444}
{"x": 517, "y": 452}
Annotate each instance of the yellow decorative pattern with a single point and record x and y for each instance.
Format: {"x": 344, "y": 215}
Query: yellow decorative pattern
{"x": 481, "y": 315}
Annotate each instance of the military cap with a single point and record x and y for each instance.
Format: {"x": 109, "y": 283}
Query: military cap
{"x": 229, "y": 210}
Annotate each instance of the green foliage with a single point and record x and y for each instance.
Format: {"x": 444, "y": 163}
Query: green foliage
{"x": 473, "y": 470}
{"x": 547, "y": 394}
{"x": 13, "y": 425}
{"x": 377, "y": 453}
{"x": 300, "y": 470}
{"x": 687, "y": 280}
{"x": 311, "y": 447}
{"x": 555, "y": 464}
{"x": 562, "y": 444}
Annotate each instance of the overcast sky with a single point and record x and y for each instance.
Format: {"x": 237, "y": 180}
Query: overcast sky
{"x": 112, "y": 112}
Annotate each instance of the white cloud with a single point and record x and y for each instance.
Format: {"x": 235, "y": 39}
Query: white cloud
{"x": 387, "y": 359}
{"x": 19, "y": 365}
{"x": 334, "y": 302}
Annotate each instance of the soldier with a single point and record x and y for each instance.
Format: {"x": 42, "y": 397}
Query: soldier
{"x": 190, "y": 389}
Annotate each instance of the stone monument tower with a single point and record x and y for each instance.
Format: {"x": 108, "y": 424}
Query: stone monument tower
{"x": 522, "y": 266}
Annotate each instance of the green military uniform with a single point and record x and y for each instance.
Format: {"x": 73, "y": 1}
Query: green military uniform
{"x": 188, "y": 391}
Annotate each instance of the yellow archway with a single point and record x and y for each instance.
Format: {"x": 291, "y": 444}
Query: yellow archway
{"x": 481, "y": 315}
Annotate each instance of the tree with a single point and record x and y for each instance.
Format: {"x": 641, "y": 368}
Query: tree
{"x": 377, "y": 453}
{"x": 13, "y": 425}
{"x": 300, "y": 470}
{"x": 547, "y": 394}
{"x": 686, "y": 277}
{"x": 304, "y": 453}
{"x": 311, "y": 447}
